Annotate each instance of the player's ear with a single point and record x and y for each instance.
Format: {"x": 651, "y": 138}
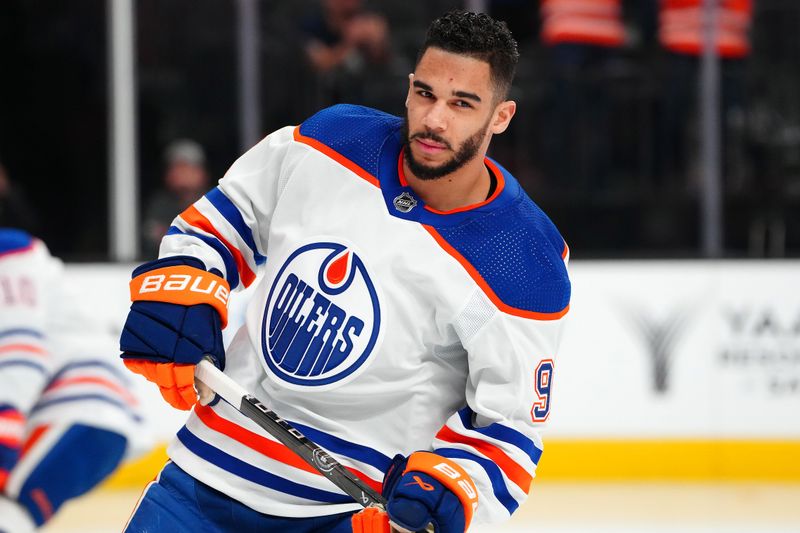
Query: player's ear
{"x": 502, "y": 116}
{"x": 410, "y": 87}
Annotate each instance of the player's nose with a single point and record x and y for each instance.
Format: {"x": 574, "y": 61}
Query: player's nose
{"x": 436, "y": 117}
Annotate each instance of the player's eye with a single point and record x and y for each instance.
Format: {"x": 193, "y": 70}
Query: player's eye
{"x": 425, "y": 94}
{"x": 462, "y": 103}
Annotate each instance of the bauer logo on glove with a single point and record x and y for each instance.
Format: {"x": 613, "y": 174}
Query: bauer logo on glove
{"x": 183, "y": 285}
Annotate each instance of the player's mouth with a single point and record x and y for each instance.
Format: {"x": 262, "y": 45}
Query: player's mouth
{"x": 429, "y": 146}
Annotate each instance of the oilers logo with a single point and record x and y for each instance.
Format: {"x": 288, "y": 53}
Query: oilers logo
{"x": 322, "y": 317}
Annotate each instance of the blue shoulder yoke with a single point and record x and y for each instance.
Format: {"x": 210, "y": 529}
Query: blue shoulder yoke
{"x": 12, "y": 240}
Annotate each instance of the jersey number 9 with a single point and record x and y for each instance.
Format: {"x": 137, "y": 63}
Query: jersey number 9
{"x": 544, "y": 378}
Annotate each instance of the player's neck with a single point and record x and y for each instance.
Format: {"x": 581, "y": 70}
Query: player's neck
{"x": 469, "y": 185}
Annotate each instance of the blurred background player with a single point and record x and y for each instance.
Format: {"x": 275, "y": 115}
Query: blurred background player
{"x": 66, "y": 415}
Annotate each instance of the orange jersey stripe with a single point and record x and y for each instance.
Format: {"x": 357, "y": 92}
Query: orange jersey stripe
{"x": 10, "y": 442}
{"x": 88, "y": 380}
{"x": 27, "y": 248}
{"x": 27, "y": 348}
{"x": 501, "y": 182}
{"x": 476, "y": 276}
{"x": 12, "y": 415}
{"x": 252, "y": 440}
{"x": 336, "y": 156}
{"x": 265, "y": 446}
{"x": 512, "y": 470}
{"x": 36, "y": 434}
{"x": 195, "y": 218}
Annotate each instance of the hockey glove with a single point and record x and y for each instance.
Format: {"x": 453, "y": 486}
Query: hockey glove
{"x": 370, "y": 520}
{"x": 177, "y": 316}
{"x": 428, "y": 488}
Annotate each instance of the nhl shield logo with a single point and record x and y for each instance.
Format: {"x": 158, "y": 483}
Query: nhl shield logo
{"x": 322, "y": 318}
{"x": 405, "y": 202}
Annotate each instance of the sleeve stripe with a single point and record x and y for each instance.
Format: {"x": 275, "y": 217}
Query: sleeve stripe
{"x": 12, "y": 426}
{"x": 9, "y": 411}
{"x": 221, "y": 227}
{"x": 9, "y": 442}
{"x": 92, "y": 380}
{"x": 23, "y": 332}
{"x": 195, "y": 218}
{"x": 22, "y": 362}
{"x": 116, "y": 372}
{"x": 228, "y": 210}
{"x": 503, "y": 433}
{"x": 231, "y": 271}
{"x": 80, "y": 397}
{"x": 513, "y": 471}
{"x": 265, "y": 446}
{"x": 253, "y": 474}
{"x": 26, "y": 348}
{"x": 10, "y": 251}
{"x": 31, "y": 441}
{"x": 492, "y": 471}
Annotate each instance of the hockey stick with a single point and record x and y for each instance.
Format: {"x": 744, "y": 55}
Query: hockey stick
{"x": 311, "y": 453}
{"x": 247, "y": 404}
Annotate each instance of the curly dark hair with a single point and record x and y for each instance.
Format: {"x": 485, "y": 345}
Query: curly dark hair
{"x": 480, "y": 36}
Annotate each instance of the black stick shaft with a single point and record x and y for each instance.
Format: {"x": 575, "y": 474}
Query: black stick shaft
{"x": 292, "y": 438}
{"x": 310, "y": 452}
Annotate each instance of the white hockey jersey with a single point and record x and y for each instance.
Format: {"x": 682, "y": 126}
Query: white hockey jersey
{"x": 27, "y": 279}
{"x": 56, "y": 360}
{"x": 378, "y": 324}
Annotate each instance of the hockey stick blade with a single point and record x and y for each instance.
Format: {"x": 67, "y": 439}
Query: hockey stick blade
{"x": 311, "y": 453}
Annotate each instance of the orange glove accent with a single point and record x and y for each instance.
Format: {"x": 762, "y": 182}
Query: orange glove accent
{"x": 182, "y": 285}
{"x": 371, "y": 520}
{"x": 451, "y": 475}
{"x": 175, "y": 381}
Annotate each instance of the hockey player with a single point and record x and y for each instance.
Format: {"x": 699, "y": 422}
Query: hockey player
{"x": 408, "y": 308}
{"x": 65, "y": 413}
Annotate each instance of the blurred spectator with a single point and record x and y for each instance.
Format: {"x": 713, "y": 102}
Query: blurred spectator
{"x": 583, "y": 38}
{"x": 185, "y": 180}
{"x": 346, "y": 46}
{"x": 681, "y": 34}
{"x": 15, "y": 211}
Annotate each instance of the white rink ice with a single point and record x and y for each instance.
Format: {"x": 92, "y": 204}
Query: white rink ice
{"x": 564, "y": 508}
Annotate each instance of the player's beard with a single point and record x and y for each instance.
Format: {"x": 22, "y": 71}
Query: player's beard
{"x": 465, "y": 153}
